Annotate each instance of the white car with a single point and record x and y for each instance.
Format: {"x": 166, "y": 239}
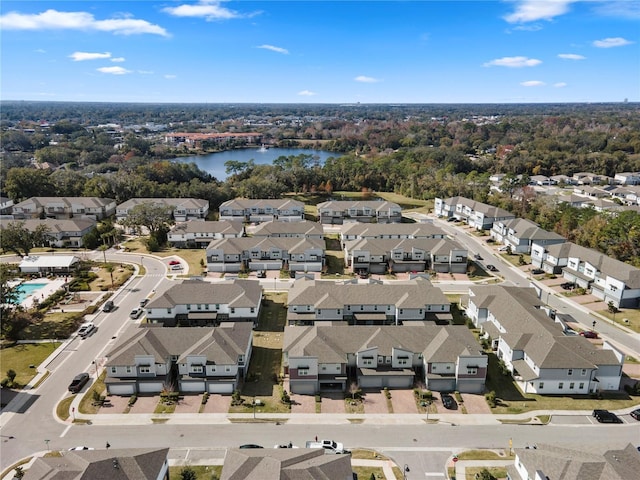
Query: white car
{"x": 136, "y": 312}
{"x": 86, "y": 329}
{"x": 504, "y": 248}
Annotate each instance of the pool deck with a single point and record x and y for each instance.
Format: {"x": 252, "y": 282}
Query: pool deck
{"x": 50, "y": 286}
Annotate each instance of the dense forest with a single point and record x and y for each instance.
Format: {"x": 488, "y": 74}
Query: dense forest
{"x": 421, "y": 151}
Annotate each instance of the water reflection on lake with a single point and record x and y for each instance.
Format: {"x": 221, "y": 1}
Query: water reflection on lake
{"x": 213, "y": 163}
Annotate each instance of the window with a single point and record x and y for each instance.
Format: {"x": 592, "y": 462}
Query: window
{"x": 303, "y": 371}
{"x": 233, "y": 310}
{"x": 583, "y": 372}
{"x": 541, "y": 386}
{"x": 402, "y": 362}
{"x": 145, "y": 369}
{"x": 227, "y": 369}
{"x": 560, "y": 385}
{"x": 197, "y": 369}
{"x": 206, "y": 307}
{"x": 581, "y": 386}
{"x": 448, "y": 367}
{"x": 472, "y": 370}
{"x": 571, "y": 385}
{"x": 199, "y": 307}
{"x": 570, "y": 371}
{"x": 114, "y": 370}
{"x": 253, "y": 310}
{"x": 128, "y": 369}
{"x": 188, "y": 306}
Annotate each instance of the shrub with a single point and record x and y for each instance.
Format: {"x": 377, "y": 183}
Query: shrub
{"x": 491, "y": 398}
{"x": 5, "y": 383}
{"x": 318, "y": 398}
{"x": 285, "y": 398}
{"x": 387, "y": 393}
{"x": 458, "y": 397}
{"x": 205, "y": 398}
{"x": 132, "y": 399}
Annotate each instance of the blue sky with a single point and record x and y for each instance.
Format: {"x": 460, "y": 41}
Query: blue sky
{"x": 320, "y": 51}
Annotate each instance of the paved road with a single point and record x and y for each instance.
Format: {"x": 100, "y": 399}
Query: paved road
{"x": 419, "y": 445}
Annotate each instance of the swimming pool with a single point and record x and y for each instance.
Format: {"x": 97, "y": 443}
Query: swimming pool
{"x": 27, "y": 289}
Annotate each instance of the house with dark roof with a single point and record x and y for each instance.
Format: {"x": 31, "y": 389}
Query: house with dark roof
{"x": 378, "y": 255}
{"x": 534, "y": 347}
{"x": 285, "y": 464}
{"x": 324, "y": 358}
{"x": 105, "y": 464}
{"x": 278, "y": 228}
{"x": 262, "y": 210}
{"x": 345, "y": 211}
{"x": 194, "y": 360}
{"x": 476, "y": 214}
{"x": 199, "y": 303}
{"x": 606, "y": 278}
{"x": 520, "y": 234}
{"x": 182, "y": 209}
{"x": 266, "y": 253}
{"x": 198, "y": 234}
{"x": 558, "y": 462}
{"x": 398, "y": 303}
{"x": 64, "y": 207}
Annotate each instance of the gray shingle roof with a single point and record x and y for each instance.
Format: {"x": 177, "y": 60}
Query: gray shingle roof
{"x": 373, "y": 230}
{"x": 266, "y": 244}
{"x": 236, "y": 293}
{"x": 303, "y": 227}
{"x": 222, "y": 227}
{"x": 221, "y": 345}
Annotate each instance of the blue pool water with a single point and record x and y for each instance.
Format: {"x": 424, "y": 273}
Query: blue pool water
{"x": 27, "y": 289}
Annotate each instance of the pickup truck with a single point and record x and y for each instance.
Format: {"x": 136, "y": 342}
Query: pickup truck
{"x": 329, "y": 446}
{"x": 78, "y": 382}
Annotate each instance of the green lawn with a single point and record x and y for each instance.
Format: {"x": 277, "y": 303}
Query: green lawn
{"x": 23, "y": 359}
{"x": 513, "y": 401}
{"x": 203, "y": 472}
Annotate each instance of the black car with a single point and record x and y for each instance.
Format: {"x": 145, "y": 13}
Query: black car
{"x": 251, "y": 445}
{"x": 605, "y": 416}
{"x": 492, "y": 268}
{"x": 261, "y": 274}
{"x": 78, "y": 382}
{"x": 537, "y": 271}
{"x": 108, "y": 306}
{"x": 635, "y": 414}
{"x": 448, "y": 401}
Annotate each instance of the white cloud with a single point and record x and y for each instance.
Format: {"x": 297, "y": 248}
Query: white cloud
{"x": 532, "y": 10}
{"x": 571, "y": 56}
{"x": 170, "y": 76}
{"x": 40, "y": 50}
{"x": 284, "y": 51}
{"x": 55, "y": 20}
{"x": 612, "y": 42}
{"x": 307, "y": 93}
{"x": 82, "y": 56}
{"x": 365, "y": 79}
{"x": 114, "y": 70}
{"x": 209, "y": 9}
{"x": 146, "y": 72}
{"x": 560, "y": 84}
{"x": 118, "y": 59}
{"x": 618, "y": 8}
{"x": 513, "y": 62}
{"x": 529, "y": 28}
{"x": 532, "y": 83}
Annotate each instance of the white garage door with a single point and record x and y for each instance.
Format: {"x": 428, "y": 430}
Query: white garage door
{"x": 192, "y": 386}
{"x": 220, "y": 388}
{"x": 150, "y": 387}
{"x": 370, "y": 382}
{"x": 121, "y": 389}
{"x": 306, "y": 388}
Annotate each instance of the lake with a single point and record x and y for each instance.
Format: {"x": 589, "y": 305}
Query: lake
{"x": 213, "y": 163}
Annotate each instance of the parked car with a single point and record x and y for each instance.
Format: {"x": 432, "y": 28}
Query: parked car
{"x": 136, "y": 312}
{"x": 537, "y": 271}
{"x": 635, "y": 414}
{"x": 568, "y": 285}
{"x": 86, "y": 329}
{"x": 504, "y": 248}
{"x": 80, "y": 448}
{"x": 251, "y": 445}
{"x": 143, "y": 302}
{"x": 176, "y": 266}
{"x": 108, "y": 306}
{"x": 174, "y": 262}
{"x": 285, "y": 445}
{"x": 329, "y": 446}
{"x": 448, "y": 401}
{"x": 477, "y": 256}
{"x": 492, "y": 268}
{"x": 261, "y": 274}
{"x": 452, "y": 219}
{"x": 588, "y": 334}
{"x": 605, "y": 416}
{"x": 78, "y": 382}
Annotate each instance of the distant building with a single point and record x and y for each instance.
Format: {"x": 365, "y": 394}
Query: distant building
{"x": 339, "y": 212}
{"x": 182, "y": 209}
{"x": 64, "y": 207}
{"x": 262, "y": 210}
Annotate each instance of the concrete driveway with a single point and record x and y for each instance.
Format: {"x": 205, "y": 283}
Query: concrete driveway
{"x": 375, "y": 402}
{"x": 303, "y": 403}
{"x": 332, "y": 403}
{"x": 403, "y": 401}
{"x": 217, "y": 403}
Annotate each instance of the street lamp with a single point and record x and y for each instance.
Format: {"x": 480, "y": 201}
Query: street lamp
{"x": 47, "y": 442}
